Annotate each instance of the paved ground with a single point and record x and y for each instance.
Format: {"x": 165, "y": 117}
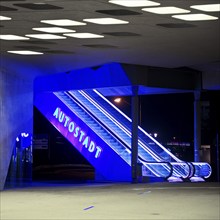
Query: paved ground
{"x": 173, "y": 201}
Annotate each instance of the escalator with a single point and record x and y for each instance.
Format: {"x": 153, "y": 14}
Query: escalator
{"x": 102, "y": 133}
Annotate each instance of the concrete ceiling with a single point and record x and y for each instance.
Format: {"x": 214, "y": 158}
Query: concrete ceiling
{"x": 149, "y": 39}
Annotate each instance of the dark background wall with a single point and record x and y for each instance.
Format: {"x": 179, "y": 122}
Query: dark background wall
{"x": 59, "y": 160}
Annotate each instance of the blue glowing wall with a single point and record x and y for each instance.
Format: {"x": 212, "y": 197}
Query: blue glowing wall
{"x": 107, "y": 163}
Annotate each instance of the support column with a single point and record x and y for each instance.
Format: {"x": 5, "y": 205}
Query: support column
{"x": 134, "y": 138}
{"x": 197, "y": 125}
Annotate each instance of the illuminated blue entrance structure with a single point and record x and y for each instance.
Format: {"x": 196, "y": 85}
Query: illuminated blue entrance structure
{"x": 101, "y": 132}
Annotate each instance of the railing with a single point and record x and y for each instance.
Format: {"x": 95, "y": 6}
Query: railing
{"x": 154, "y": 157}
{"x": 67, "y": 98}
{"x": 112, "y": 124}
{"x": 201, "y": 169}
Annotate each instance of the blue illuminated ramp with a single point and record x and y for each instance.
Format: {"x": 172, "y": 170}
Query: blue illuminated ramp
{"x": 87, "y": 135}
{"x": 102, "y": 133}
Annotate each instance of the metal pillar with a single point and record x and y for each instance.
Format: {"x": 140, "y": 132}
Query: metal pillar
{"x": 197, "y": 125}
{"x": 134, "y": 138}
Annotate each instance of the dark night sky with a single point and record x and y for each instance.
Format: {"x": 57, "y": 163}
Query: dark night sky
{"x": 168, "y": 115}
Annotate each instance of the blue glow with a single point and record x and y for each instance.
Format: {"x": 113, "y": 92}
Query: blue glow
{"x": 86, "y": 141}
{"x": 79, "y": 117}
{"x": 108, "y": 75}
{"x": 82, "y": 115}
{"x": 24, "y": 134}
{"x": 77, "y": 133}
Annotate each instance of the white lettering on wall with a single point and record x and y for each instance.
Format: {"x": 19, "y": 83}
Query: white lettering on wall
{"x": 77, "y": 132}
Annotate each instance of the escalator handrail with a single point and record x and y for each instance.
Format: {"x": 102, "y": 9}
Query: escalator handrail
{"x": 69, "y": 95}
{"x": 140, "y": 129}
{"x": 124, "y": 143}
{"x": 121, "y": 142}
{"x": 155, "y": 162}
{"x": 128, "y": 132}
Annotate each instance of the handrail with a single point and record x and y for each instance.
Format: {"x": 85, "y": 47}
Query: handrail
{"x": 141, "y": 143}
{"x": 156, "y": 162}
{"x": 171, "y": 165}
{"x": 139, "y": 128}
{"x": 192, "y": 169}
{"x": 98, "y": 120}
{"x": 124, "y": 144}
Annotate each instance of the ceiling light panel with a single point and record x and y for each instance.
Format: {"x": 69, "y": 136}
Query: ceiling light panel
{"x": 207, "y": 7}
{"x": 12, "y": 37}
{"x": 46, "y": 36}
{"x": 63, "y": 22}
{"x": 4, "y": 18}
{"x": 84, "y": 35}
{"x": 25, "y": 52}
{"x": 166, "y": 10}
{"x": 105, "y": 21}
{"x": 134, "y": 3}
{"x": 195, "y": 17}
{"x": 54, "y": 30}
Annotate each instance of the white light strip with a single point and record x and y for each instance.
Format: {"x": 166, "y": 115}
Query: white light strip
{"x": 84, "y": 35}
{"x": 203, "y": 164}
{"x": 155, "y": 156}
{"x": 25, "y": 52}
{"x": 154, "y": 140}
{"x": 124, "y": 129}
{"x": 3, "y": 18}
{"x": 105, "y": 21}
{"x": 12, "y": 37}
{"x": 62, "y": 99}
{"x": 195, "y": 17}
{"x": 166, "y": 10}
{"x": 54, "y": 30}
{"x": 111, "y": 118}
{"x": 175, "y": 172}
{"x": 45, "y": 36}
{"x": 63, "y": 22}
{"x": 134, "y": 3}
{"x": 207, "y": 7}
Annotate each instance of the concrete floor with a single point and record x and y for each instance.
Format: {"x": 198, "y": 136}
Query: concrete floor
{"x": 112, "y": 201}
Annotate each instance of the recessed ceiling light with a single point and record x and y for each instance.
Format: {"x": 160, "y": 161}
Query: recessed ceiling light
{"x": 12, "y": 37}
{"x": 54, "y": 30}
{"x": 195, "y": 17}
{"x": 3, "y": 18}
{"x": 106, "y": 21}
{"x": 63, "y": 22}
{"x": 25, "y": 52}
{"x": 134, "y": 3}
{"x": 207, "y": 7}
{"x": 166, "y": 10}
{"x": 84, "y": 35}
{"x": 45, "y": 36}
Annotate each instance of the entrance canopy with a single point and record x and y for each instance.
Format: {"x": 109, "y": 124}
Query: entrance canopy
{"x": 118, "y": 79}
